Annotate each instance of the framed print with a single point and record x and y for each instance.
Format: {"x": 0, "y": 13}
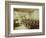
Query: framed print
{"x": 24, "y": 18}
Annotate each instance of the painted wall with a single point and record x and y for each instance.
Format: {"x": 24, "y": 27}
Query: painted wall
{"x": 32, "y": 15}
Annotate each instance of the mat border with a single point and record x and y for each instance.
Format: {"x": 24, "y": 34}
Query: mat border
{"x": 7, "y": 18}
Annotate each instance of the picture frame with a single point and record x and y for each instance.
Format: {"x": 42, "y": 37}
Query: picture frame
{"x": 10, "y": 6}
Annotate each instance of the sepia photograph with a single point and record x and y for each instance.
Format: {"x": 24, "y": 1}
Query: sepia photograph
{"x": 25, "y": 18}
